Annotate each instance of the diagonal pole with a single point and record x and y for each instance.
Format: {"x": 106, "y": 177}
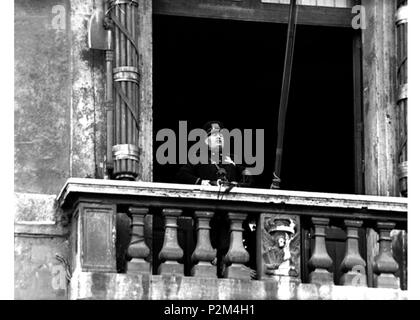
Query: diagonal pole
{"x": 285, "y": 88}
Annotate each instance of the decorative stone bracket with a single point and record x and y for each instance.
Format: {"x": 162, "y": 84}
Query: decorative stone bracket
{"x": 93, "y": 237}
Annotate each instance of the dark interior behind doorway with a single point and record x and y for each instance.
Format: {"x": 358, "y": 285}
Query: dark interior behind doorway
{"x": 229, "y": 70}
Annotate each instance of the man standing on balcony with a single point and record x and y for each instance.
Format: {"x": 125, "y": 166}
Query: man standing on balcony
{"x": 219, "y": 171}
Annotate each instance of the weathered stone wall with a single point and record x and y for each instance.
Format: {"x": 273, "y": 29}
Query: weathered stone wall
{"x": 87, "y": 285}
{"x": 38, "y": 273}
{"x": 59, "y": 91}
{"x": 42, "y": 96}
{"x": 39, "y": 237}
{"x": 88, "y": 117}
{"x": 59, "y": 132}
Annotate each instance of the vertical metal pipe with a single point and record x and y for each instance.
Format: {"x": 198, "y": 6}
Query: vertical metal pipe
{"x": 109, "y": 58}
{"x": 121, "y": 16}
{"x": 404, "y": 77}
{"x": 399, "y": 77}
{"x": 135, "y": 86}
{"x": 123, "y": 61}
{"x": 117, "y": 64}
{"x": 129, "y": 84}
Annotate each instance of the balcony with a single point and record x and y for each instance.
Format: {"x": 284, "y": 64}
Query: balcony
{"x": 120, "y": 252}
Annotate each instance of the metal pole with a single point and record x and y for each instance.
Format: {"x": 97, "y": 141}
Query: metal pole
{"x": 118, "y": 99}
{"x": 120, "y": 14}
{"x": 109, "y": 57}
{"x": 288, "y": 61}
{"x": 136, "y": 86}
{"x": 129, "y": 87}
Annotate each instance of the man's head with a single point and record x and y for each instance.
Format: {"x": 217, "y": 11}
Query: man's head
{"x": 215, "y": 139}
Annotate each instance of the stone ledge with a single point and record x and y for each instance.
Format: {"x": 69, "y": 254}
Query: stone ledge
{"x": 98, "y": 187}
{"x": 111, "y": 286}
{"x": 36, "y": 216}
{"x": 42, "y": 229}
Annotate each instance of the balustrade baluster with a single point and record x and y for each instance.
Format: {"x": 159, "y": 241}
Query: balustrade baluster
{"x": 171, "y": 251}
{"x": 237, "y": 254}
{"x": 353, "y": 265}
{"x": 320, "y": 259}
{"x": 204, "y": 253}
{"x": 138, "y": 251}
{"x": 385, "y": 265}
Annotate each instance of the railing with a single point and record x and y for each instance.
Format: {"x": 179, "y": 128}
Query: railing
{"x": 290, "y": 236}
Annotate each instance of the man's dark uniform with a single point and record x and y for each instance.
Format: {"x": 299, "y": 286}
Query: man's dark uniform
{"x": 229, "y": 172}
{"x": 194, "y": 174}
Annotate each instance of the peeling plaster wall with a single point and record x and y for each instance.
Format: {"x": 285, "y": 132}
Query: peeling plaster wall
{"x": 88, "y": 115}
{"x": 39, "y": 237}
{"x": 38, "y": 273}
{"x": 59, "y": 132}
{"x": 42, "y": 92}
{"x": 59, "y": 88}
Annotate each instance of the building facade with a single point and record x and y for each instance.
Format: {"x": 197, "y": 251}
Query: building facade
{"x": 97, "y": 217}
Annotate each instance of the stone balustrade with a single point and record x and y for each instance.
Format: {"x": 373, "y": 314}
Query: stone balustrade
{"x": 353, "y": 265}
{"x": 171, "y": 252}
{"x": 204, "y": 254}
{"x": 320, "y": 260}
{"x": 280, "y": 250}
{"x": 138, "y": 251}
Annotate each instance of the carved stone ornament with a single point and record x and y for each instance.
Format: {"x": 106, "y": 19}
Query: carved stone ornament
{"x": 280, "y": 245}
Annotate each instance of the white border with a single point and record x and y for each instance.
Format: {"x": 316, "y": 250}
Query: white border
{"x": 414, "y": 155}
{"x": 7, "y": 169}
{"x": 7, "y": 160}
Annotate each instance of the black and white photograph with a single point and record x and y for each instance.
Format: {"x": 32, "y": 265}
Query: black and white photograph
{"x": 221, "y": 151}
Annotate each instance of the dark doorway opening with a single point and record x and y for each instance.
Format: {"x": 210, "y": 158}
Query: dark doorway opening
{"x": 207, "y": 69}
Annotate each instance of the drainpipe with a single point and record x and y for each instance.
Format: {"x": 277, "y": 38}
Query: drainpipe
{"x": 402, "y": 100}
{"x": 109, "y": 100}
